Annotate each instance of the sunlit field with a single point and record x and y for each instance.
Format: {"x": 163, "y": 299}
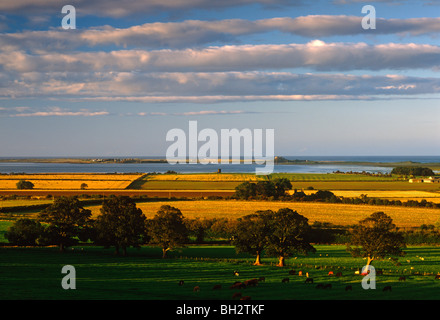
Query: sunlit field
{"x": 70, "y": 181}
{"x": 340, "y": 214}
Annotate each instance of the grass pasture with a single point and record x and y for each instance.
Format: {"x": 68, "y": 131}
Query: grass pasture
{"x": 36, "y": 274}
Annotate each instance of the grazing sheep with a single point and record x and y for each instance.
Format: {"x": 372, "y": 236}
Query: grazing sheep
{"x": 319, "y": 286}
{"x": 217, "y": 287}
{"x": 309, "y": 280}
{"x": 245, "y": 298}
{"x": 386, "y": 288}
{"x": 251, "y": 282}
{"x": 402, "y": 279}
{"x": 285, "y": 280}
{"x": 238, "y": 285}
{"x": 181, "y": 282}
{"x": 236, "y": 295}
{"x": 348, "y": 288}
{"x": 339, "y": 274}
{"x": 196, "y": 289}
{"x": 292, "y": 272}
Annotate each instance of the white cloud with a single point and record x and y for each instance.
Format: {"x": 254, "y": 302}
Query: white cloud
{"x": 323, "y": 57}
{"x": 51, "y": 112}
{"x": 118, "y": 9}
{"x": 196, "y": 32}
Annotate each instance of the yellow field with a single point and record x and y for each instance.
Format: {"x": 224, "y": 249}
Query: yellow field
{"x": 341, "y": 214}
{"x": 70, "y": 181}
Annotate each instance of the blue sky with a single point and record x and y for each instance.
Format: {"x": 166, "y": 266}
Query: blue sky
{"x": 134, "y": 70}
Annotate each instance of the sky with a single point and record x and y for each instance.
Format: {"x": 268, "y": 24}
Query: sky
{"x": 133, "y": 70}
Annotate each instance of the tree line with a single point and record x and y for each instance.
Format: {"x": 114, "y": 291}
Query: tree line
{"x": 121, "y": 224}
{"x": 277, "y": 190}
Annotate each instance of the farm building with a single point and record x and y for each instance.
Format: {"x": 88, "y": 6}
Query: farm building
{"x": 425, "y": 180}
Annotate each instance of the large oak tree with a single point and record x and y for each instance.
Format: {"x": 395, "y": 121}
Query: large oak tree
{"x": 121, "y": 224}
{"x": 289, "y": 234}
{"x": 376, "y": 237}
{"x": 67, "y": 221}
{"x": 167, "y": 229}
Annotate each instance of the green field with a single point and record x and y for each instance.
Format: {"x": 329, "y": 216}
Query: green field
{"x": 35, "y": 273}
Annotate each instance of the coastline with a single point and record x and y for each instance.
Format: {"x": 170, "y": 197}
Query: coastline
{"x": 431, "y": 165}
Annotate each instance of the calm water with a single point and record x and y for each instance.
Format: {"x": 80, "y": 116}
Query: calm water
{"x": 26, "y": 167}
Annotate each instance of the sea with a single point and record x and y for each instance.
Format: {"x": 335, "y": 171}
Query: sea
{"x": 330, "y": 167}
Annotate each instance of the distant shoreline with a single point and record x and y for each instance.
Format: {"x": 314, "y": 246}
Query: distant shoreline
{"x": 282, "y": 161}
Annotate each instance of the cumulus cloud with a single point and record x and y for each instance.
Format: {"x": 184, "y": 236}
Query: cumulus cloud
{"x": 210, "y": 87}
{"x": 196, "y": 32}
{"x": 315, "y": 55}
{"x": 118, "y": 9}
{"x": 49, "y": 112}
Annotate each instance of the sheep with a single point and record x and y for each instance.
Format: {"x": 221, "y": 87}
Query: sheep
{"x": 402, "y": 279}
{"x": 245, "y": 298}
{"x": 309, "y": 280}
{"x": 386, "y": 288}
{"x": 251, "y": 282}
{"x": 196, "y": 289}
{"x": 238, "y": 285}
{"x": 292, "y": 272}
{"x": 217, "y": 287}
{"x": 181, "y": 282}
{"x": 328, "y": 286}
{"x": 319, "y": 286}
{"x": 339, "y": 274}
{"x": 236, "y": 295}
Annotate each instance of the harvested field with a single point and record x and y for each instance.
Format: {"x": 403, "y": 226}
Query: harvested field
{"x": 70, "y": 181}
{"x": 340, "y": 214}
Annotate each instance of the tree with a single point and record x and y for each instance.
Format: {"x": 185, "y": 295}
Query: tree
{"x": 251, "y": 233}
{"x": 24, "y": 184}
{"x": 414, "y": 171}
{"x": 84, "y": 186}
{"x": 121, "y": 224}
{"x": 281, "y": 186}
{"x": 24, "y": 232}
{"x": 263, "y": 189}
{"x": 376, "y": 237}
{"x": 245, "y": 190}
{"x": 167, "y": 229}
{"x": 67, "y": 220}
{"x": 289, "y": 234}
{"x": 198, "y": 227}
